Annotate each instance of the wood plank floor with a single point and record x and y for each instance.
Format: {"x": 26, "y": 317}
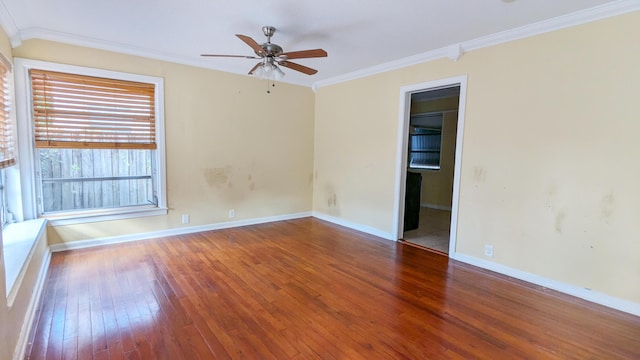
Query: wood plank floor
{"x": 306, "y": 289}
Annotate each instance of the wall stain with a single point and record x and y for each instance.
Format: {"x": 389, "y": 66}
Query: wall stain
{"x": 331, "y": 195}
{"x": 560, "y": 221}
{"x": 479, "y": 174}
{"x": 252, "y": 186}
{"x": 551, "y": 194}
{"x": 332, "y": 201}
{"x": 607, "y": 205}
{"x": 217, "y": 176}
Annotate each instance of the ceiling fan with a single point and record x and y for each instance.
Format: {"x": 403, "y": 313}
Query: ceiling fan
{"x": 272, "y": 56}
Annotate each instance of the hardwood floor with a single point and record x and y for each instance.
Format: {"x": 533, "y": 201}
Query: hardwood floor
{"x": 306, "y": 289}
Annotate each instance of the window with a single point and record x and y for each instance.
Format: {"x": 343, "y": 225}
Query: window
{"x": 79, "y": 179}
{"x": 425, "y": 140}
{"x": 7, "y": 151}
{"x": 97, "y": 142}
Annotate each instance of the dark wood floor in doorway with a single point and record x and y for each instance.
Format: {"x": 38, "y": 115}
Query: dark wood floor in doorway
{"x": 306, "y": 289}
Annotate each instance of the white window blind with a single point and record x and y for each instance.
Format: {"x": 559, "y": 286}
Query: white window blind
{"x": 7, "y": 146}
{"x": 79, "y": 111}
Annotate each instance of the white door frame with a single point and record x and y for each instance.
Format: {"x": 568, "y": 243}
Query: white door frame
{"x": 401, "y": 156}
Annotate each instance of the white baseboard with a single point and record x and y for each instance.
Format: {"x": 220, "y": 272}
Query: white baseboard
{"x": 586, "y": 294}
{"x": 30, "y": 316}
{"x": 354, "y": 226}
{"x": 436, "y": 206}
{"x": 82, "y": 244}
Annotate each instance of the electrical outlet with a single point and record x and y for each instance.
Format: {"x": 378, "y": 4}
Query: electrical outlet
{"x": 185, "y": 218}
{"x": 488, "y": 250}
{"x": 232, "y": 214}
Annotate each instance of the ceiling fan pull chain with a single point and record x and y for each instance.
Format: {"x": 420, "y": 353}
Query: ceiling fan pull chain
{"x": 272, "y": 84}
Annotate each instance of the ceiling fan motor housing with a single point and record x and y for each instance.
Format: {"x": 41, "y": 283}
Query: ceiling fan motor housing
{"x": 271, "y": 49}
{"x": 268, "y": 31}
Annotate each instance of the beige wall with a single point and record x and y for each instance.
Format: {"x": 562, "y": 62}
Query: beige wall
{"x": 12, "y": 318}
{"x": 548, "y": 173}
{"x": 230, "y": 145}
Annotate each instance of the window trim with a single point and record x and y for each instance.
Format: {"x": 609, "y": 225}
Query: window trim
{"x": 27, "y": 151}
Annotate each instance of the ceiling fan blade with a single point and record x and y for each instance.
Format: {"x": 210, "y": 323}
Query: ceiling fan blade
{"x": 304, "y": 54}
{"x": 254, "y": 45}
{"x": 254, "y": 68}
{"x": 231, "y": 56}
{"x": 298, "y": 67}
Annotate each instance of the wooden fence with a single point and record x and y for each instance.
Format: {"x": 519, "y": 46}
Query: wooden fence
{"x": 74, "y": 179}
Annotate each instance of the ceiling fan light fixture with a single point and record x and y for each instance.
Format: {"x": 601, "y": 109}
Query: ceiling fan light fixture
{"x": 268, "y": 70}
{"x": 277, "y": 73}
{"x": 268, "y": 67}
{"x": 259, "y": 72}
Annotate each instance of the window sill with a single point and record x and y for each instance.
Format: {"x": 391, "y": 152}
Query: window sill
{"x": 18, "y": 242}
{"x": 423, "y": 169}
{"x": 104, "y": 215}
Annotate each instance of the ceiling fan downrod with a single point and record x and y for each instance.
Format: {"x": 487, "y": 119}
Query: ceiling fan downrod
{"x": 268, "y": 31}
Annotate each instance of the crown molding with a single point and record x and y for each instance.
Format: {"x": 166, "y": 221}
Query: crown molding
{"x": 454, "y": 51}
{"x": 7, "y": 24}
{"x": 562, "y": 22}
{"x": 382, "y": 68}
{"x": 94, "y": 43}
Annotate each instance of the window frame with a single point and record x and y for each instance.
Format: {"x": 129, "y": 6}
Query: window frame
{"x": 437, "y": 127}
{"x": 28, "y": 153}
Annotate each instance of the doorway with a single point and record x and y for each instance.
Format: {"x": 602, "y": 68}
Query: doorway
{"x": 429, "y": 158}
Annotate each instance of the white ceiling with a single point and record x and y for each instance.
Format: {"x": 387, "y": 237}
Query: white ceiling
{"x": 357, "y": 34}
